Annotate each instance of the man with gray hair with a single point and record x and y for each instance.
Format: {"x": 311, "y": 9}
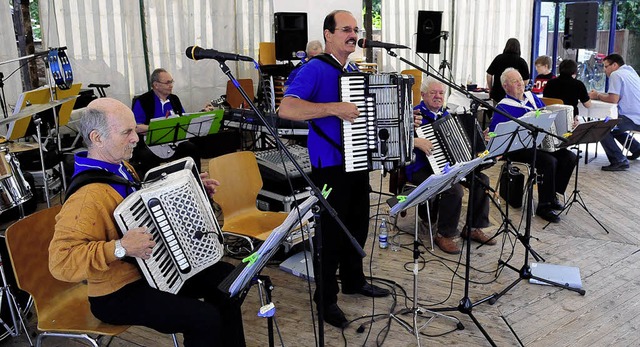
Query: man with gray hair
{"x": 447, "y": 206}
{"x": 87, "y": 246}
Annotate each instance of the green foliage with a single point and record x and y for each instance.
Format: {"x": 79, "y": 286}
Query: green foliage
{"x": 35, "y": 19}
{"x": 629, "y": 15}
{"x": 376, "y": 20}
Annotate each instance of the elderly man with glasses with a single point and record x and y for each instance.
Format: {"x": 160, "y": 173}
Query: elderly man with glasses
{"x": 159, "y": 102}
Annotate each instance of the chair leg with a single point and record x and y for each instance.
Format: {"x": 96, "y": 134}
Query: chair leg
{"x": 86, "y": 337}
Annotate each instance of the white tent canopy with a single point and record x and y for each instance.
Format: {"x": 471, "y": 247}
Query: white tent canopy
{"x": 105, "y": 38}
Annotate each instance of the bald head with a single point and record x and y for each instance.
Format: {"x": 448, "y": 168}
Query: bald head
{"x": 108, "y": 129}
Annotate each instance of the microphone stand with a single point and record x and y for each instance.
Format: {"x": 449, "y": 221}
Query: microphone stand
{"x": 465, "y": 305}
{"x": 316, "y": 191}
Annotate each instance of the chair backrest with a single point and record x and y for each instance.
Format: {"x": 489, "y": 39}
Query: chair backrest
{"x": 234, "y": 98}
{"x": 552, "y": 101}
{"x": 28, "y": 243}
{"x": 240, "y": 182}
{"x": 417, "y": 77}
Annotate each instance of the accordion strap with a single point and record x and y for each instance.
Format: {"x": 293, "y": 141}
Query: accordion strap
{"x": 97, "y": 176}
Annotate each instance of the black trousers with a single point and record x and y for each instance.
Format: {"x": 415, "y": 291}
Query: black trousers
{"x": 216, "y": 321}
{"x": 350, "y": 198}
{"x": 447, "y": 206}
{"x": 554, "y": 171}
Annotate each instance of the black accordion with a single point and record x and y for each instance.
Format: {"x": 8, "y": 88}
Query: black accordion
{"x": 382, "y": 136}
{"x": 452, "y": 138}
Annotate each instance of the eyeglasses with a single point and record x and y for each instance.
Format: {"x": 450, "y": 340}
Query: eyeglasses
{"x": 349, "y": 30}
{"x": 167, "y": 82}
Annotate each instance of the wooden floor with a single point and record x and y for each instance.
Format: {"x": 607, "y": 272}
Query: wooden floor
{"x": 528, "y": 314}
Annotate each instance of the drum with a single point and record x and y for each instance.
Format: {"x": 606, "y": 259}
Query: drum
{"x": 14, "y": 189}
{"x": 23, "y": 299}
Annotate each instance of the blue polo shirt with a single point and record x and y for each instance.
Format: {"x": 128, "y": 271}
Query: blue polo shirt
{"x": 159, "y": 110}
{"x": 515, "y": 111}
{"x": 317, "y": 81}
{"x": 421, "y": 160}
{"x": 82, "y": 163}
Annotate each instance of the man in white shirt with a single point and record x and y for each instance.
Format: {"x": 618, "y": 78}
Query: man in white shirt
{"x": 624, "y": 90}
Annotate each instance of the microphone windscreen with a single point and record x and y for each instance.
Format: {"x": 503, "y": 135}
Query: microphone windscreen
{"x": 191, "y": 52}
{"x": 362, "y": 43}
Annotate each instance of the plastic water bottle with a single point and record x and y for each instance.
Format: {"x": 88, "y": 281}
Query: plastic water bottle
{"x": 383, "y": 235}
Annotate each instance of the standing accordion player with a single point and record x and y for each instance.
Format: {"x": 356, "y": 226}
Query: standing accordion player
{"x": 175, "y": 208}
{"x": 382, "y": 136}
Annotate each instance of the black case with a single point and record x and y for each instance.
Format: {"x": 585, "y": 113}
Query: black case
{"x": 514, "y": 179}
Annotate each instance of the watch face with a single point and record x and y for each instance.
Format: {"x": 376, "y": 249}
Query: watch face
{"x": 120, "y": 252}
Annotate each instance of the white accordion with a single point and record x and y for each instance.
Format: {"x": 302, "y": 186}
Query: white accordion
{"x": 562, "y": 124}
{"x": 174, "y": 207}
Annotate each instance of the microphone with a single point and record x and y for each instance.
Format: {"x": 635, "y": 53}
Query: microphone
{"x": 364, "y": 43}
{"x": 383, "y": 134}
{"x": 197, "y": 53}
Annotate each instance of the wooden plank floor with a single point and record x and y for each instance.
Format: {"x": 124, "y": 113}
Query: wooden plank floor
{"x": 608, "y": 315}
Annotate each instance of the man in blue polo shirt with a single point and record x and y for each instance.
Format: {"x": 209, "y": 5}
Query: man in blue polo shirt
{"x": 555, "y": 168}
{"x": 447, "y": 206}
{"x": 314, "y": 96}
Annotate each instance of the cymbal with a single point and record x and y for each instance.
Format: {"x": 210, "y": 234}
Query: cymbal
{"x": 17, "y": 147}
{"x": 33, "y": 109}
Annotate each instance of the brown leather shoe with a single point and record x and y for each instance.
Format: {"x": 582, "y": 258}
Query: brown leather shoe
{"x": 479, "y": 236}
{"x": 447, "y": 244}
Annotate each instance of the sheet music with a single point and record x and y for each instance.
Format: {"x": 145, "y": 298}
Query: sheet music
{"x": 271, "y": 244}
{"x": 506, "y": 131}
{"x": 199, "y": 126}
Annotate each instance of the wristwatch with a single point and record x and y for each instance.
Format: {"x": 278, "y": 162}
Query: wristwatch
{"x": 120, "y": 251}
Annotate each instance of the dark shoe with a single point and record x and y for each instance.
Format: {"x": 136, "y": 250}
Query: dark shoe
{"x": 447, "y": 244}
{"x": 334, "y": 316}
{"x": 369, "y": 290}
{"x": 556, "y": 205}
{"x": 479, "y": 236}
{"x": 621, "y": 166}
{"x": 633, "y": 156}
{"x": 547, "y": 214}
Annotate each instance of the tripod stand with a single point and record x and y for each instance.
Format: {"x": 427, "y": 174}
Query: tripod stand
{"x": 444, "y": 64}
{"x": 525, "y": 271}
{"x": 17, "y": 319}
{"x": 585, "y": 133}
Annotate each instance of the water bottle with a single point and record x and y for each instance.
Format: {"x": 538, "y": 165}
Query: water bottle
{"x": 383, "y": 235}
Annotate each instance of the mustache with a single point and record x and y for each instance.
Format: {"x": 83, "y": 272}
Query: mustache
{"x": 351, "y": 41}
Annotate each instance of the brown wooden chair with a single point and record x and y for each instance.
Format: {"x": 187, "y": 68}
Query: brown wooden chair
{"x": 552, "y": 101}
{"x": 417, "y": 78}
{"x": 62, "y": 308}
{"x": 240, "y": 183}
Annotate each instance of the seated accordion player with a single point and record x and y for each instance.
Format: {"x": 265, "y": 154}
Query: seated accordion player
{"x": 175, "y": 208}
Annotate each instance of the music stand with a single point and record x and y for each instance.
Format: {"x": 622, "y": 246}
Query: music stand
{"x": 510, "y": 137}
{"x": 525, "y": 271}
{"x": 174, "y": 129}
{"x": 585, "y": 133}
{"x": 238, "y": 283}
{"x": 429, "y": 188}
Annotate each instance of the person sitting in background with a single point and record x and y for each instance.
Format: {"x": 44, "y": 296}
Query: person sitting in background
{"x": 447, "y": 206}
{"x": 624, "y": 90}
{"x": 555, "y": 168}
{"x": 313, "y": 48}
{"x": 159, "y": 102}
{"x": 543, "y": 68}
{"x": 88, "y": 246}
{"x": 567, "y": 87}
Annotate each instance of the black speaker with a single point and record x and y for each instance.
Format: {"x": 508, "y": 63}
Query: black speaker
{"x": 428, "y": 38}
{"x": 581, "y": 25}
{"x": 291, "y": 35}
